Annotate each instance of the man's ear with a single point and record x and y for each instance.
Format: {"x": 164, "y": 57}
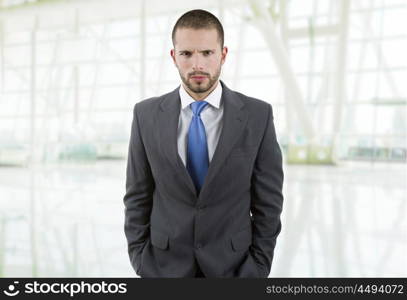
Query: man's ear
{"x": 172, "y": 53}
{"x": 224, "y": 53}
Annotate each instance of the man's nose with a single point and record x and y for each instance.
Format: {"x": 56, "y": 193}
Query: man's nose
{"x": 197, "y": 62}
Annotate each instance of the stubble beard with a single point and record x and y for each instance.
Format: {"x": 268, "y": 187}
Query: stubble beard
{"x": 200, "y": 87}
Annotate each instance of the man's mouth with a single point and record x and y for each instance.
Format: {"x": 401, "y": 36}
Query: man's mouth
{"x": 198, "y": 77}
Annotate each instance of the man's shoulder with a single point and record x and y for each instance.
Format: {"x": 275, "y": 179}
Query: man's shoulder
{"x": 252, "y": 102}
{"x": 151, "y": 103}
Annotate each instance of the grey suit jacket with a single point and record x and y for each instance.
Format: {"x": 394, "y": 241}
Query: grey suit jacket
{"x": 230, "y": 227}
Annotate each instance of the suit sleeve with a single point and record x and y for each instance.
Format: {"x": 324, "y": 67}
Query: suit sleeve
{"x": 266, "y": 198}
{"x": 138, "y": 198}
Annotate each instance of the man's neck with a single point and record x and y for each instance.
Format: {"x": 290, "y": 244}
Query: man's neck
{"x": 200, "y": 96}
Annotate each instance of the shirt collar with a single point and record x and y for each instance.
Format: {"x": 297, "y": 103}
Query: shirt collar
{"x": 213, "y": 98}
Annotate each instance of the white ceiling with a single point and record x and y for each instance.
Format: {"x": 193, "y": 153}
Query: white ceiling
{"x": 61, "y": 14}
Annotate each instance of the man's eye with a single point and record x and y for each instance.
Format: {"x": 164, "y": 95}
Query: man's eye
{"x": 206, "y": 53}
{"x": 185, "y": 53}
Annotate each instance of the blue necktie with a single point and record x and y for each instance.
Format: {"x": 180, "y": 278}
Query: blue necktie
{"x": 197, "y": 149}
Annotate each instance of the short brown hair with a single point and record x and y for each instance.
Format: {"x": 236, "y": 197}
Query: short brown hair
{"x": 199, "y": 19}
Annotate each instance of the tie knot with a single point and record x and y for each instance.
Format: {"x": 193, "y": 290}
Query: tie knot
{"x": 198, "y": 106}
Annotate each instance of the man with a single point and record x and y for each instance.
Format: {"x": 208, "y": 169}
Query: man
{"x": 204, "y": 175}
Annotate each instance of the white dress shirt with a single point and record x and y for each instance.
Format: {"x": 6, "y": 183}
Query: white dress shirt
{"x": 211, "y": 117}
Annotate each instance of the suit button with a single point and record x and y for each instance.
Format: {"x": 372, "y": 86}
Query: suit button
{"x": 201, "y": 207}
{"x": 198, "y": 246}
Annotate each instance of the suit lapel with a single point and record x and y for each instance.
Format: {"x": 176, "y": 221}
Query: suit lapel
{"x": 234, "y": 121}
{"x": 168, "y": 133}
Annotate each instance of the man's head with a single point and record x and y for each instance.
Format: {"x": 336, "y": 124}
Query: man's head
{"x": 198, "y": 51}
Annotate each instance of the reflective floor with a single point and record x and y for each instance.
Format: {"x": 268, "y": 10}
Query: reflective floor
{"x": 67, "y": 220}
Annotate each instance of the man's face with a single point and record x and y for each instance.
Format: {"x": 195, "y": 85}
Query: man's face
{"x": 198, "y": 56}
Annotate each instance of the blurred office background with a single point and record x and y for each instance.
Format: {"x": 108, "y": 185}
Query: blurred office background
{"x": 335, "y": 72}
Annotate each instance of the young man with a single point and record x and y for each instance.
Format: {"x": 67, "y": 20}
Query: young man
{"x": 204, "y": 175}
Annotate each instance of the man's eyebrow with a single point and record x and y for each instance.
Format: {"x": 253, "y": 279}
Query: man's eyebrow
{"x": 205, "y": 50}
